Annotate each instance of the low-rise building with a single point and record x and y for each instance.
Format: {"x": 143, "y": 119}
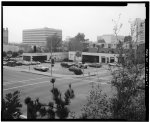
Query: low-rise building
{"x": 58, "y": 56}
{"x": 95, "y": 57}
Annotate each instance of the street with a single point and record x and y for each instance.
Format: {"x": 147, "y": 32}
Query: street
{"x": 39, "y": 86}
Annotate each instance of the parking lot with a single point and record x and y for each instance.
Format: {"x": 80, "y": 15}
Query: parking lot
{"x": 35, "y": 85}
{"x": 58, "y": 69}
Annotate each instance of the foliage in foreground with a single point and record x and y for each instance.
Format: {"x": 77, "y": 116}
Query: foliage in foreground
{"x": 53, "y": 110}
{"x": 97, "y": 106}
{"x": 11, "y": 105}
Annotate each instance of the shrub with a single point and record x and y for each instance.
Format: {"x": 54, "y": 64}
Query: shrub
{"x": 78, "y": 71}
{"x": 97, "y": 106}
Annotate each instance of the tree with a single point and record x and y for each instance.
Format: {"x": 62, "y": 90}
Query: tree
{"x": 127, "y": 39}
{"x": 9, "y": 53}
{"x": 4, "y": 54}
{"x": 20, "y": 52}
{"x": 15, "y": 54}
{"x": 97, "y": 106}
{"x": 55, "y": 41}
{"x": 11, "y": 105}
{"x": 128, "y": 103}
{"x": 141, "y": 53}
{"x": 76, "y": 43}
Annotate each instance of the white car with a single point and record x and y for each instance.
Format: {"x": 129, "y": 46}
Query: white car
{"x": 25, "y": 62}
{"x": 47, "y": 61}
{"x": 41, "y": 68}
{"x": 114, "y": 64}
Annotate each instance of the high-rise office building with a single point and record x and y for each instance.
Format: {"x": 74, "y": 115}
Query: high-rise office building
{"x": 38, "y": 37}
{"x": 5, "y": 36}
{"x": 138, "y": 30}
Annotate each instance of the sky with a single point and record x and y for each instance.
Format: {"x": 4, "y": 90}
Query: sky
{"x": 92, "y": 21}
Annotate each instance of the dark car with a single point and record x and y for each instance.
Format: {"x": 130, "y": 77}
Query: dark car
{"x": 67, "y": 64}
{"x": 95, "y": 65}
{"x": 41, "y": 68}
{"x": 81, "y": 65}
{"x": 72, "y": 68}
{"x": 11, "y": 63}
{"x": 19, "y": 63}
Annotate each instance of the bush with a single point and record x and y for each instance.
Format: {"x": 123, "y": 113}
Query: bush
{"x": 20, "y": 52}
{"x": 56, "y": 109}
{"x": 97, "y": 106}
{"x": 78, "y": 71}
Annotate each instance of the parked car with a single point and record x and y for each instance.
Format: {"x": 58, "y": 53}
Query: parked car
{"x": 26, "y": 63}
{"x": 41, "y": 68}
{"x": 37, "y": 62}
{"x": 95, "y": 65}
{"x": 19, "y": 63}
{"x": 72, "y": 68}
{"x": 47, "y": 61}
{"x": 114, "y": 64}
{"x": 67, "y": 64}
{"x": 70, "y": 64}
{"x": 5, "y": 59}
{"x": 80, "y": 65}
{"x": 76, "y": 70}
{"x": 4, "y": 63}
{"x": 33, "y": 63}
{"x": 11, "y": 63}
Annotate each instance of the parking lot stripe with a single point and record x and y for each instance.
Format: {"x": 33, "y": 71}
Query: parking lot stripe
{"x": 12, "y": 82}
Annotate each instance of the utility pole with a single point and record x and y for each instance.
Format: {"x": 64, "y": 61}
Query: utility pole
{"x": 51, "y": 58}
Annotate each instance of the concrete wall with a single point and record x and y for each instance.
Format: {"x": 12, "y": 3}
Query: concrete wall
{"x": 73, "y": 57}
{"x": 59, "y": 56}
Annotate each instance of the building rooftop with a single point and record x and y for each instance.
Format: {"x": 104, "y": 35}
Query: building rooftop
{"x": 45, "y": 28}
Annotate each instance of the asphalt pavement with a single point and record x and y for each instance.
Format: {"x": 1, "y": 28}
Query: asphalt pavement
{"x": 39, "y": 86}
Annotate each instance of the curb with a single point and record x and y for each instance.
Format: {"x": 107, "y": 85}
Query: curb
{"x": 42, "y": 74}
{"x": 55, "y": 75}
